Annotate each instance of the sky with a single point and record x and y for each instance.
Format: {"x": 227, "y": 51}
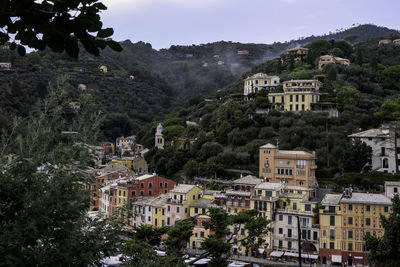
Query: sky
{"x": 184, "y": 22}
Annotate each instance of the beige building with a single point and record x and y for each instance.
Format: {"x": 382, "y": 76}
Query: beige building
{"x": 328, "y": 59}
{"x": 297, "y": 95}
{"x": 258, "y": 82}
{"x": 391, "y": 188}
{"x": 294, "y": 168}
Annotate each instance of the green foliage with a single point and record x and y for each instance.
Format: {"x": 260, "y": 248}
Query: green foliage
{"x": 173, "y": 131}
{"x": 348, "y": 96}
{"x": 139, "y": 253}
{"x": 178, "y": 237}
{"x": 43, "y": 202}
{"x": 384, "y": 251}
{"x": 190, "y": 168}
{"x": 357, "y": 155}
{"x": 115, "y": 125}
{"x": 211, "y": 149}
{"x": 390, "y": 110}
{"x": 61, "y": 26}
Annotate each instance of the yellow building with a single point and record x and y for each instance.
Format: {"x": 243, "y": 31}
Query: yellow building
{"x": 136, "y": 164}
{"x": 200, "y": 211}
{"x": 179, "y": 201}
{"x": 294, "y": 168}
{"x": 298, "y": 50}
{"x": 345, "y": 219}
{"x": 258, "y": 82}
{"x": 158, "y": 205}
{"x": 297, "y": 95}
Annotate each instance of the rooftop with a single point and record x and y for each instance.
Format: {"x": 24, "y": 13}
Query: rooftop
{"x": 248, "y": 180}
{"x": 381, "y": 133}
{"x": 145, "y": 176}
{"x": 392, "y": 183}
{"x": 297, "y": 48}
{"x": 367, "y": 198}
{"x": 269, "y": 145}
{"x": 271, "y": 186}
{"x": 183, "y": 188}
{"x": 300, "y": 81}
{"x": 331, "y": 199}
{"x": 261, "y": 76}
{"x": 204, "y": 203}
{"x": 292, "y": 195}
{"x": 237, "y": 193}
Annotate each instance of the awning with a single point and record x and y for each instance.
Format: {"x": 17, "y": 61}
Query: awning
{"x": 276, "y": 254}
{"x": 303, "y": 255}
{"x": 337, "y": 258}
{"x": 261, "y": 250}
{"x": 358, "y": 257}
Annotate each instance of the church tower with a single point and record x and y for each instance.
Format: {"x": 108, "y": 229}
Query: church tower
{"x": 159, "y": 139}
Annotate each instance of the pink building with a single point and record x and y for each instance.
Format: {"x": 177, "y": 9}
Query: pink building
{"x": 328, "y": 59}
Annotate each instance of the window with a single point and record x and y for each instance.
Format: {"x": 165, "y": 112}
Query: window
{"x": 289, "y": 220}
{"x": 165, "y": 191}
{"x": 150, "y": 185}
{"x": 395, "y": 190}
{"x": 297, "y": 107}
{"x": 201, "y": 234}
{"x": 386, "y": 209}
{"x": 124, "y": 193}
{"x": 350, "y": 246}
{"x": 280, "y": 243}
{"x": 332, "y": 221}
{"x": 119, "y": 192}
{"x": 308, "y": 207}
{"x": 368, "y": 208}
{"x": 367, "y": 221}
{"x": 133, "y": 193}
{"x": 350, "y": 207}
{"x": 203, "y": 211}
{"x": 303, "y": 107}
{"x": 350, "y": 235}
{"x": 332, "y": 209}
{"x": 280, "y": 230}
{"x": 196, "y": 210}
{"x": 166, "y": 184}
{"x": 331, "y": 245}
{"x": 332, "y": 234}
{"x": 302, "y": 98}
{"x": 289, "y": 244}
{"x": 297, "y": 98}
{"x": 303, "y": 234}
{"x": 350, "y": 221}
{"x": 315, "y": 235}
{"x": 155, "y": 222}
{"x": 155, "y": 210}
{"x": 142, "y": 185}
{"x": 242, "y": 231}
{"x": 294, "y": 206}
{"x": 177, "y": 209}
{"x": 160, "y": 184}
{"x": 169, "y": 208}
{"x": 280, "y": 217}
{"x": 289, "y": 232}
{"x": 291, "y": 98}
{"x": 150, "y": 193}
{"x": 185, "y": 210}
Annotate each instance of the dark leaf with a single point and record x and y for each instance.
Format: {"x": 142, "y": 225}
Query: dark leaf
{"x": 114, "y": 45}
{"x": 104, "y": 33}
{"x": 71, "y": 47}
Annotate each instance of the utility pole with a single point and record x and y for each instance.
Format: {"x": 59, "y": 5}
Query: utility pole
{"x": 299, "y": 238}
{"x": 327, "y": 146}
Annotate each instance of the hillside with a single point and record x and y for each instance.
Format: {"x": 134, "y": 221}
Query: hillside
{"x": 231, "y": 130}
{"x": 161, "y": 79}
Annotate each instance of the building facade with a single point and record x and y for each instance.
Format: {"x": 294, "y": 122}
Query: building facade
{"x": 381, "y": 141}
{"x": 159, "y": 139}
{"x": 297, "y": 95}
{"x": 258, "y": 82}
{"x": 294, "y": 168}
{"x": 329, "y": 59}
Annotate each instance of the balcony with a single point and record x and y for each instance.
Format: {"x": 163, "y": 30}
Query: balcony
{"x": 300, "y": 212}
{"x": 264, "y": 198}
{"x": 177, "y": 201}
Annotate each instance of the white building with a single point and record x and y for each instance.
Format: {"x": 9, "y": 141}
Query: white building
{"x": 391, "y": 188}
{"x": 142, "y": 212}
{"x": 258, "y": 82}
{"x": 125, "y": 143}
{"x": 381, "y": 141}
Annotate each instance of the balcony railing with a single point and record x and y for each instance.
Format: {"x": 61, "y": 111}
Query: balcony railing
{"x": 288, "y": 211}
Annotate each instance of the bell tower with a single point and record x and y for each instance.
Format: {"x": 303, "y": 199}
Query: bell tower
{"x": 159, "y": 139}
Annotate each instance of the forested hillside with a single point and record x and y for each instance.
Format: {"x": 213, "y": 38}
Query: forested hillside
{"x": 142, "y": 84}
{"x": 231, "y": 130}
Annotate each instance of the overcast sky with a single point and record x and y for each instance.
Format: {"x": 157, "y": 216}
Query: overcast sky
{"x": 169, "y": 22}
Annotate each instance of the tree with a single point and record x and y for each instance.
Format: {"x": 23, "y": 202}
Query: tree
{"x": 348, "y": 96}
{"x": 43, "y": 200}
{"x": 218, "y": 245}
{"x": 115, "y": 125}
{"x": 384, "y": 251}
{"x": 59, "y": 25}
{"x": 191, "y": 168}
{"x": 356, "y": 156}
